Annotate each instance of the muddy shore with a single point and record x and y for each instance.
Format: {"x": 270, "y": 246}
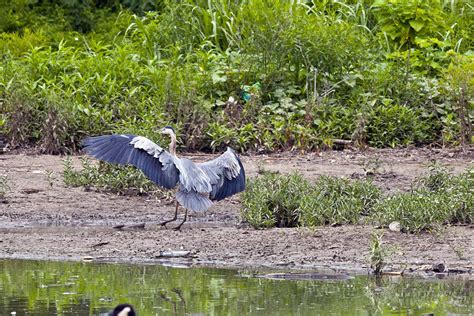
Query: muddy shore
{"x": 40, "y": 221}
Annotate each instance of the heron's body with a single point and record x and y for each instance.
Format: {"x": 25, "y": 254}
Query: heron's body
{"x": 199, "y": 184}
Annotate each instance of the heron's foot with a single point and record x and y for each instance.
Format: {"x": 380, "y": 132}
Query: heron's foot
{"x": 166, "y": 222}
{"x": 178, "y": 227}
{"x": 180, "y": 224}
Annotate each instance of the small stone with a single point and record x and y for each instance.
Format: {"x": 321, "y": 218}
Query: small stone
{"x": 395, "y": 226}
{"x": 438, "y": 267}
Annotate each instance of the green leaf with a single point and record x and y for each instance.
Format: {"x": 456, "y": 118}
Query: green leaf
{"x": 417, "y": 25}
{"x": 378, "y": 3}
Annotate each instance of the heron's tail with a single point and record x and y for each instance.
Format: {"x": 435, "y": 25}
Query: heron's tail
{"x": 193, "y": 201}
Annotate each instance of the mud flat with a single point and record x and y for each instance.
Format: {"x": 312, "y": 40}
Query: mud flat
{"x": 41, "y": 218}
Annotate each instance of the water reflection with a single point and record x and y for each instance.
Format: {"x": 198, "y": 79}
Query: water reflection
{"x": 63, "y": 288}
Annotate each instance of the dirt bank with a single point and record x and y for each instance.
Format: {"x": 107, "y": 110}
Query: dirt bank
{"x": 56, "y": 222}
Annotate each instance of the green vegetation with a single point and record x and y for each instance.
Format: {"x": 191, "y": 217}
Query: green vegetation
{"x": 109, "y": 178}
{"x": 377, "y": 253}
{"x": 436, "y": 199}
{"x": 290, "y": 200}
{"x": 301, "y": 73}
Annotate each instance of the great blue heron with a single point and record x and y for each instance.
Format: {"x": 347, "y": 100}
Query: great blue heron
{"x": 199, "y": 183}
{"x": 123, "y": 310}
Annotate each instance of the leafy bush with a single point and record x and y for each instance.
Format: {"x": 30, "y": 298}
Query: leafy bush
{"x": 290, "y": 200}
{"x": 394, "y": 125}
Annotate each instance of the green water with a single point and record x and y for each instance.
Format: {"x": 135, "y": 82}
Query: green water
{"x": 65, "y": 288}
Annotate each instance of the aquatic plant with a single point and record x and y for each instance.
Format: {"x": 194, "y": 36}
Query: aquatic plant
{"x": 377, "y": 253}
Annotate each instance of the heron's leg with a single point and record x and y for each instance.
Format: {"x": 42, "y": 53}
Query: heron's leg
{"x": 185, "y": 218}
{"x": 174, "y": 218}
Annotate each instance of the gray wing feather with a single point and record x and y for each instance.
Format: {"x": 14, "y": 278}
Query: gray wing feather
{"x": 193, "y": 178}
{"x": 226, "y": 174}
{"x": 193, "y": 200}
{"x": 155, "y": 162}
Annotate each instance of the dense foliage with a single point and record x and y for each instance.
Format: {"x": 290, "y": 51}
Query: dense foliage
{"x": 436, "y": 199}
{"x": 253, "y": 74}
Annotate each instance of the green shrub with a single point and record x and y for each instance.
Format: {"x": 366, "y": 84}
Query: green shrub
{"x": 440, "y": 198}
{"x": 394, "y": 125}
{"x": 290, "y": 200}
{"x": 274, "y": 200}
{"x": 338, "y": 201}
{"x": 437, "y": 198}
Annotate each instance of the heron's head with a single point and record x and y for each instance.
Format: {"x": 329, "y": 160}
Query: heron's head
{"x": 168, "y": 130}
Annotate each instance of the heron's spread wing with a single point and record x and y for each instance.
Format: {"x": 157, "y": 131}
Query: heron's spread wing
{"x": 155, "y": 162}
{"x": 226, "y": 174}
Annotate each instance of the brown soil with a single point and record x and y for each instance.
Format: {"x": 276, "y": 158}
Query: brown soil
{"x": 39, "y": 221}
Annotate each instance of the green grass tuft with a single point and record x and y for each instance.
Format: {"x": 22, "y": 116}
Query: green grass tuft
{"x": 290, "y": 200}
{"x": 438, "y": 198}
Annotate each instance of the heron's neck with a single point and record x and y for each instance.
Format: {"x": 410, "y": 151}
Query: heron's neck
{"x": 173, "y": 144}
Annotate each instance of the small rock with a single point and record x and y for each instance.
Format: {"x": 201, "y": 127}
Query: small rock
{"x": 438, "y": 267}
{"x": 395, "y": 226}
